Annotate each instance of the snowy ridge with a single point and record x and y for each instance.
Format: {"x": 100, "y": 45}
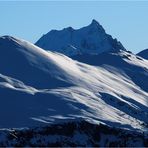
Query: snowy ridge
{"x": 39, "y": 87}
{"x": 91, "y": 39}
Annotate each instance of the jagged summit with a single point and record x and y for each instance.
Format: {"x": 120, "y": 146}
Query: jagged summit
{"x": 91, "y": 39}
{"x": 94, "y": 22}
{"x": 96, "y": 25}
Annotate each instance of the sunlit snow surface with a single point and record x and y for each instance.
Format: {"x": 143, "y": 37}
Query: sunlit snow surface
{"x": 39, "y": 87}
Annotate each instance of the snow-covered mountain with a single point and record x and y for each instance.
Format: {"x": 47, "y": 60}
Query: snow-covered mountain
{"x": 39, "y": 87}
{"x": 91, "y": 39}
{"x": 143, "y": 54}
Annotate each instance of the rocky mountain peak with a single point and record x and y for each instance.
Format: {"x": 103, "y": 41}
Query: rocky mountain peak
{"x": 91, "y": 39}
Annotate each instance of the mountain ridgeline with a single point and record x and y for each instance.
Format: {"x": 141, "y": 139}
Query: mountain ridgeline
{"x": 95, "y": 96}
{"x": 91, "y": 39}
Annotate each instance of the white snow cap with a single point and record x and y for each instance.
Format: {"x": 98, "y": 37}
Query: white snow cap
{"x": 91, "y": 39}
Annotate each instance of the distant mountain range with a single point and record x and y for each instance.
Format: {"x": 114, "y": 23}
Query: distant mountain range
{"x": 100, "y": 86}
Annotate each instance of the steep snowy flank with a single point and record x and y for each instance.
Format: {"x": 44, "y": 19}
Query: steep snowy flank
{"x": 143, "y": 54}
{"x": 32, "y": 65}
{"x": 39, "y": 87}
{"x": 91, "y": 39}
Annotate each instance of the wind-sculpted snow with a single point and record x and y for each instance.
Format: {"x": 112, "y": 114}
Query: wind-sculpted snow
{"x": 39, "y": 87}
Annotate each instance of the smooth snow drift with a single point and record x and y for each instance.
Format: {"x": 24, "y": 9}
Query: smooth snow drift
{"x": 39, "y": 87}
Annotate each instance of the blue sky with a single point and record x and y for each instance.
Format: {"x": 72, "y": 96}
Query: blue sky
{"x": 125, "y": 20}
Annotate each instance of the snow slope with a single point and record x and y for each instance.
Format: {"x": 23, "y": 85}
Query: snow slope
{"x": 143, "y": 54}
{"x": 91, "y": 39}
{"x": 39, "y": 87}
